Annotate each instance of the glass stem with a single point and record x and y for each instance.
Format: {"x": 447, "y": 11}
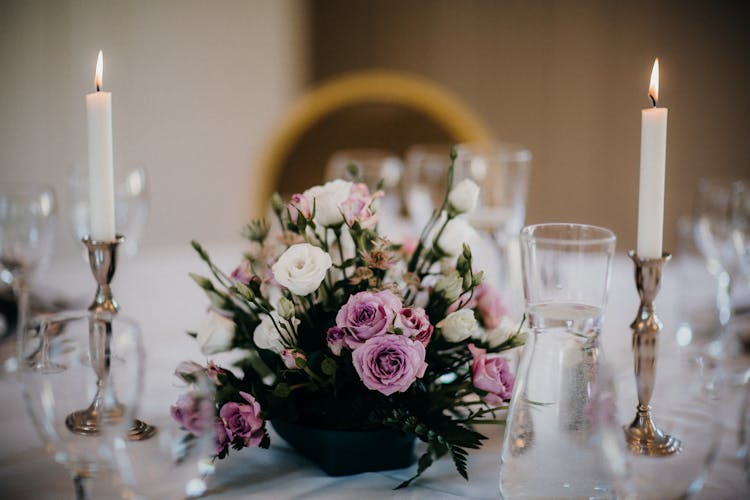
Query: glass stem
{"x": 82, "y": 483}
{"x": 724, "y": 298}
{"x": 21, "y": 291}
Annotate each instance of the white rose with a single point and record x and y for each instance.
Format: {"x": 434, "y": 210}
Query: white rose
{"x": 302, "y": 268}
{"x": 458, "y": 325}
{"x": 463, "y": 197}
{"x": 267, "y": 336}
{"x": 215, "y": 334}
{"x": 327, "y": 200}
{"x": 456, "y": 233}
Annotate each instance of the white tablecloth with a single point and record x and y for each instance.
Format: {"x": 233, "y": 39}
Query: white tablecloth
{"x": 154, "y": 288}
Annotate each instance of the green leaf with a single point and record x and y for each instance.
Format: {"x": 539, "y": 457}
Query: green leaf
{"x": 425, "y": 461}
{"x": 328, "y": 366}
{"x": 353, "y": 171}
{"x": 282, "y": 390}
{"x": 459, "y": 456}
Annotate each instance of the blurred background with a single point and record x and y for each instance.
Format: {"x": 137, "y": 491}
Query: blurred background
{"x": 203, "y": 90}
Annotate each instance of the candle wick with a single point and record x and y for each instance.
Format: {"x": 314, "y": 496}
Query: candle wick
{"x": 653, "y": 101}
{"x": 97, "y": 87}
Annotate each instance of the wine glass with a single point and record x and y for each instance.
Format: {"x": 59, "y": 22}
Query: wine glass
{"x": 177, "y": 461}
{"x": 131, "y": 205}
{"x": 741, "y": 228}
{"x": 502, "y": 172}
{"x": 27, "y": 233}
{"x": 696, "y": 305}
{"x": 378, "y": 169}
{"x": 713, "y": 238}
{"x": 78, "y": 363}
{"x": 425, "y": 179}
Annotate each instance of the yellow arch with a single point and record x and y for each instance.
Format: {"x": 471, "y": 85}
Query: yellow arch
{"x": 360, "y": 87}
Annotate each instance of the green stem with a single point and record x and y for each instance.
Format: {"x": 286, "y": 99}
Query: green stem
{"x": 435, "y": 214}
{"x": 314, "y": 376}
{"x": 337, "y": 232}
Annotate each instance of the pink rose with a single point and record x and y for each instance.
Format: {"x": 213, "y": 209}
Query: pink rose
{"x": 491, "y": 375}
{"x": 358, "y": 206}
{"x": 366, "y": 315}
{"x": 415, "y": 324}
{"x": 335, "y": 339}
{"x": 243, "y": 421}
{"x": 389, "y": 363}
{"x": 221, "y": 440}
{"x": 299, "y": 204}
{"x": 242, "y": 273}
{"x": 490, "y": 305}
{"x": 290, "y": 357}
{"x": 191, "y": 412}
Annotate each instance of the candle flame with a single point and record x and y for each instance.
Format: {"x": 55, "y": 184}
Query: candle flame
{"x": 99, "y": 71}
{"x": 653, "y": 89}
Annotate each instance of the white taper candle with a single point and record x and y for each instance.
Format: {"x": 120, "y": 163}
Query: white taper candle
{"x": 101, "y": 161}
{"x": 651, "y": 184}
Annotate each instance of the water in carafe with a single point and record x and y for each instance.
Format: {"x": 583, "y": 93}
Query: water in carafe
{"x": 551, "y": 447}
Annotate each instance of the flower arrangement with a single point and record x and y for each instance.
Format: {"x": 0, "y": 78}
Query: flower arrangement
{"x": 343, "y": 329}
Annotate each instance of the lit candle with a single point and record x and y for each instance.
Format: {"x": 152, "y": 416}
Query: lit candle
{"x": 653, "y": 161}
{"x": 101, "y": 163}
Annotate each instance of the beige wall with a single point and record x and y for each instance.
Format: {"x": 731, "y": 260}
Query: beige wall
{"x": 196, "y": 86}
{"x": 568, "y": 79}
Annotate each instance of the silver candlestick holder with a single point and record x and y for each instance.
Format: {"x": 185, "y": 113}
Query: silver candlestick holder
{"x": 103, "y": 261}
{"x": 643, "y": 436}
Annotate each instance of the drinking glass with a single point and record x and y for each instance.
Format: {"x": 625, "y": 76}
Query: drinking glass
{"x": 566, "y": 274}
{"x": 713, "y": 237}
{"x": 131, "y": 205}
{"x": 379, "y": 169}
{"x": 502, "y": 172}
{"x": 176, "y": 462}
{"x": 68, "y": 362}
{"x": 698, "y": 317}
{"x": 741, "y": 244}
{"x": 425, "y": 179}
{"x": 739, "y": 343}
{"x": 741, "y": 228}
{"x": 27, "y": 233}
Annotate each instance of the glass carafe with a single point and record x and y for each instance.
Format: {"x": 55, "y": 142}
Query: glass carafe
{"x": 561, "y": 438}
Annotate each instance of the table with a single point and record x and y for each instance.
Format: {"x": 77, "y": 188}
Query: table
{"x": 154, "y": 288}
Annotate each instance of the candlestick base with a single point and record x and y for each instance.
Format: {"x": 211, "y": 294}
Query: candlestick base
{"x": 643, "y": 437}
{"x": 103, "y": 262}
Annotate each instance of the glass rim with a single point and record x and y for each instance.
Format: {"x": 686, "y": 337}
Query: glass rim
{"x": 605, "y": 235}
{"x": 496, "y": 151}
{"x": 362, "y": 153}
{"x": 26, "y": 188}
{"x": 70, "y": 315}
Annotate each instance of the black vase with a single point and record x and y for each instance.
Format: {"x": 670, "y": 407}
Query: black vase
{"x": 343, "y": 453}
